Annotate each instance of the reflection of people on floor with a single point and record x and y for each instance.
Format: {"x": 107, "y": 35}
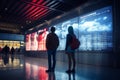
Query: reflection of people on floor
{"x": 5, "y": 59}
{"x": 12, "y": 51}
{"x": 51, "y": 76}
{"x": 0, "y": 49}
{"x": 19, "y": 50}
{"x": 12, "y": 58}
{"x": 12, "y": 54}
{"x": 42, "y": 74}
{"x": 71, "y": 76}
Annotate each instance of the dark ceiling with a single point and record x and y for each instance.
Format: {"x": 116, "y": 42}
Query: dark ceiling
{"x": 17, "y": 16}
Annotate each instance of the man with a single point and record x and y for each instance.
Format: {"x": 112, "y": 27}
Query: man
{"x": 52, "y": 43}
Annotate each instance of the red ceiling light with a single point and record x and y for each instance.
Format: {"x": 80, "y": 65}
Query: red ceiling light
{"x": 30, "y": 9}
{"x": 37, "y": 12}
{"x": 34, "y": 1}
{"x": 36, "y": 7}
{"x": 32, "y": 12}
{"x": 24, "y": 9}
{"x": 40, "y": 1}
{"x": 41, "y": 14}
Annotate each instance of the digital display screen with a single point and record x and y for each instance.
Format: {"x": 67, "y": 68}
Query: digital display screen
{"x": 94, "y": 30}
{"x": 36, "y": 40}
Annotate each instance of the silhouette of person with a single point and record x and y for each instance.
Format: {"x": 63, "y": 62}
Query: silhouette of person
{"x": 0, "y": 49}
{"x": 12, "y": 54}
{"x": 12, "y": 51}
{"x": 5, "y": 59}
{"x": 6, "y": 49}
{"x": 52, "y": 43}
{"x": 12, "y": 58}
{"x": 51, "y": 76}
{"x": 71, "y": 76}
{"x": 70, "y": 52}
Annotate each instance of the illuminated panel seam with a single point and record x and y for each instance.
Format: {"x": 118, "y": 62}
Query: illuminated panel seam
{"x": 24, "y": 9}
{"x": 37, "y": 12}
{"x": 54, "y": 4}
{"x": 32, "y": 12}
{"x": 30, "y": 9}
{"x": 34, "y": 1}
{"x": 51, "y": 3}
{"x": 40, "y": 1}
{"x": 42, "y": 14}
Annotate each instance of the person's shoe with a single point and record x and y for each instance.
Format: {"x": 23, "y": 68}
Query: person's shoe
{"x": 48, "y": 71}
{"x": 68, "y": 71}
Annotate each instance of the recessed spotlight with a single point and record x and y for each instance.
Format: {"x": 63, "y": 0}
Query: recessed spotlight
{"x": 21, "y": 26}
{"x": 6, "y": 9}
{"x": 29, "y": 21}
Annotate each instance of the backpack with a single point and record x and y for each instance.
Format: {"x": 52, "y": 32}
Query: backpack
{"x": 75, "y": 43}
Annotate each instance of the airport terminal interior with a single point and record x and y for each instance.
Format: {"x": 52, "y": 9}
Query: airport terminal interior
{"x": 25, "y": 25}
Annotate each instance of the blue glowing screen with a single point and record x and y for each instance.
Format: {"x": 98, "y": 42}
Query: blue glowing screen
{"x": 94, "y": 30}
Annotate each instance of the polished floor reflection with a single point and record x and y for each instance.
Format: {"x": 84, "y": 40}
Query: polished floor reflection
{"x": 18, "y": 67}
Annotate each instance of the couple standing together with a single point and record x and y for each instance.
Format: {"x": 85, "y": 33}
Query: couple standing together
{"x": 52, "y": 43}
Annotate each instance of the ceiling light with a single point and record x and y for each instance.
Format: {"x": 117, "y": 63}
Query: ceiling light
{"x": 29, "y": 21}
{"x": 6, "y": 9}
{"x": 21, "y": 26}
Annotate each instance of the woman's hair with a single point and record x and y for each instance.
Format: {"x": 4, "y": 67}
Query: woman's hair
{"x": 70, "y": 30}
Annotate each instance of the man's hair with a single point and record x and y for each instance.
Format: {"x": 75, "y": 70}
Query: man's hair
{"x": 52, "y": 29}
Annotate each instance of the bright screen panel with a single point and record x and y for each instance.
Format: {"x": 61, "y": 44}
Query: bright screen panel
{"x": 62, "y": 30}
{"x": 36, "y": 41}
{"x": 94, "y": 30}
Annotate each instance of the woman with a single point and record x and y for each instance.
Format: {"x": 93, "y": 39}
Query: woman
{"x": 70, "y": 52}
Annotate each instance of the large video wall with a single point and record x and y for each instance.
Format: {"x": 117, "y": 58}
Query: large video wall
{"x": 94, "y": 30}
{"x": 36, "y": 40}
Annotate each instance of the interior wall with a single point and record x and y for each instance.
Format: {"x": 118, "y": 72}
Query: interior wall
{"x": 13, "y": 37}
{"x": 6, "y": 36}
{"x": 95, "y": 58}
{"x": 116, "y": 34}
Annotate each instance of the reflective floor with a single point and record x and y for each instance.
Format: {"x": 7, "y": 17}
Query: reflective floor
{"x": 18, "y": 67}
